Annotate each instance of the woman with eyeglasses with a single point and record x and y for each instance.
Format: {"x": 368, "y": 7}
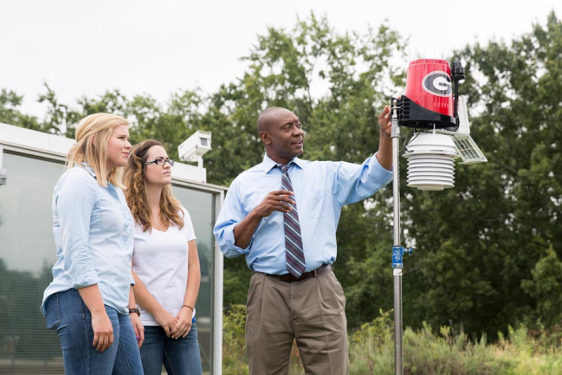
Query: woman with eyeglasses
{"x": 165, "y": 264}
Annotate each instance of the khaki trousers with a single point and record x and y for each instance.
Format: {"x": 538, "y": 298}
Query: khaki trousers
{"x": 311, "y": 311}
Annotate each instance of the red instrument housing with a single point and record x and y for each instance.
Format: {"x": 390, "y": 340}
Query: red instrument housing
{"x": 431, "y": 95}
{"x": 429, "y": 85}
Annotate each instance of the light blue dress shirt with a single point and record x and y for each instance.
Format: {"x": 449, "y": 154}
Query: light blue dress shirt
{"x": 321, "y": 189}
{"x": 94, "y": 236}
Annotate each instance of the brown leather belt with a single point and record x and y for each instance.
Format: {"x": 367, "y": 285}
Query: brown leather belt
{"x": 307, "y": 275}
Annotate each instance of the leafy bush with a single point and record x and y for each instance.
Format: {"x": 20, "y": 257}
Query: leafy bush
{"x": 234, "y": 360}
{"x": 371, "y": 350}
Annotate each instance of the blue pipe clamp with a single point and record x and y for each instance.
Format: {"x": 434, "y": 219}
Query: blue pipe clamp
{"x": 398, "y": 254}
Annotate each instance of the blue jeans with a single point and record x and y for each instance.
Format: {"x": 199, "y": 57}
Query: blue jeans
{"x": 70, "y": 318}
{"x": 180, "y": 357}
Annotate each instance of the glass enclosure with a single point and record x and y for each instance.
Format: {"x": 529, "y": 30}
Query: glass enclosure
{"x": 200, "y": 206}
{"x": 27, "y": 253}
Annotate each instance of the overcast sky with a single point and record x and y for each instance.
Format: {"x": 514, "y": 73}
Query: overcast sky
{"x": 158, "y": 46}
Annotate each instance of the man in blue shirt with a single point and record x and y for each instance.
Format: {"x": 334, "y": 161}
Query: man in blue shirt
{"x": 282, "y": 215}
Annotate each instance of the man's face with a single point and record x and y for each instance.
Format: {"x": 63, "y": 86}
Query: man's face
{"x": 285, "y": 137}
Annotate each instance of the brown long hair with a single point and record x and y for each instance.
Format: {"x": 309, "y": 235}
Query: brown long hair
{"x": 92, "y": 137}
{"x": 136, "y": 196}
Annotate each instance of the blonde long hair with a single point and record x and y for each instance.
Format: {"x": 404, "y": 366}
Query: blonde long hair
{"x": 137, "y": 198}
{"x": 92, "y": 137}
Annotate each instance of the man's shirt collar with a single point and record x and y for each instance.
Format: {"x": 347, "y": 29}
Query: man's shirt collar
{"x": 268, "y": 164}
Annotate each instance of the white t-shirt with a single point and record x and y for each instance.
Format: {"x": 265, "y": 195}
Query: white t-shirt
{"x": 160, "y": 261}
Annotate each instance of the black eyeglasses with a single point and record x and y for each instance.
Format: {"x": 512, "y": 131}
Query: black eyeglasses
{"x": 161, "y": 162}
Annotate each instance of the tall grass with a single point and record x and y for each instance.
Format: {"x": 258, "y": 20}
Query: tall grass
{"x": 371, "y": 351}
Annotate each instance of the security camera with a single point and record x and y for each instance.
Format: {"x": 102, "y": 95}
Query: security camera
{"x": 193, "y": 148}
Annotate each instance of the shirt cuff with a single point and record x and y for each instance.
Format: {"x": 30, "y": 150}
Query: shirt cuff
{"x": 231, "y": 249}
{"x": 85, "y": 280}
{"x": 381, "y": 174}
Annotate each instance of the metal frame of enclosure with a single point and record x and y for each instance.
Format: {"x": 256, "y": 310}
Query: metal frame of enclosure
{"x": 33, "y": 162}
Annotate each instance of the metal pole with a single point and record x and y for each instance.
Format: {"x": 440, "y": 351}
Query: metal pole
{"x": 398, "y": 251}
{"x": 395, "y": 135}
{"x": 398, "y": 321}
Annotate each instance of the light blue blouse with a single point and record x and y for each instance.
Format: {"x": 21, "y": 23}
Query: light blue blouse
{"x": 94, "y": 236}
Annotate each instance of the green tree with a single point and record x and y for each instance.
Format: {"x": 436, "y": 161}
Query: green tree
{"x": 479, "y": 241}
{"x": 284, "y": 69}
{"x": 60, "y": 118}
{"x": 10, "y": 112}
{"x": 545, "y": 288}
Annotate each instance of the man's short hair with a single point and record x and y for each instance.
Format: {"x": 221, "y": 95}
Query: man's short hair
{"x": 265, "y": 117}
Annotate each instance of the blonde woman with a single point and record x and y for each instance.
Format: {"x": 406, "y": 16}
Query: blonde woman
{"x": 88, "y": 303}
{"x": 165, "y": 264}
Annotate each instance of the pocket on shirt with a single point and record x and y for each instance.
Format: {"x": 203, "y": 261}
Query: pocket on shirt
{"x": 316, "y": 204}
{"x": 109, "y": 215}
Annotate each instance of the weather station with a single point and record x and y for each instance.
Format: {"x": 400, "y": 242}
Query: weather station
{"x": 438, "y": 116}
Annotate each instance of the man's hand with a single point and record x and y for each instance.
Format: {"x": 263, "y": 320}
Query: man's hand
{"x": 279, "y": 200}
{"x": 385, "y": 122}
{"x": 384, "y": 155}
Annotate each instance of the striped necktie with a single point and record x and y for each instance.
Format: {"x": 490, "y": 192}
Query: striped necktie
{"x": 296, "y": 265}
